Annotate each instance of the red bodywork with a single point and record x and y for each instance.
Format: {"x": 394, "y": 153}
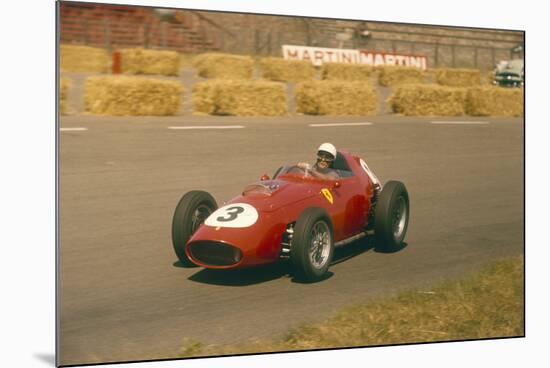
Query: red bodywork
{"x": 260, "y": 243}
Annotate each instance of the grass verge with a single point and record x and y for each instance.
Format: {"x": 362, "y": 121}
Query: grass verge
{"x": 487, "y": 304}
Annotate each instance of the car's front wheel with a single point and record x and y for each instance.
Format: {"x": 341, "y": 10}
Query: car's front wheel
{"x": 312, "y": 244}
{"x": 192, "y": 210}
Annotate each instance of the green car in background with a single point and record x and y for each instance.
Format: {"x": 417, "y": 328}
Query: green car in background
{"x": 509, "y": 73}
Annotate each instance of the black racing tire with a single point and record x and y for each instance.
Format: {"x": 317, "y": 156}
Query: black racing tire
{"x": 311, "y": 260}
{"x": 391, "y": 217}
{"x": 193, "y": 208}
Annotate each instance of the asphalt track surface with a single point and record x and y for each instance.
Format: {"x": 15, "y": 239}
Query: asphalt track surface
{"x": 123, "y": 295}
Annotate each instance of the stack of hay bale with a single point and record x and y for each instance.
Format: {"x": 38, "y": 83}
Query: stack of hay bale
{"x": 336, "y": 98}
{"x": 346, "y": 72}
{"x": 231, "y": 90}
{"x": 241, "y": 98}
{"x": 458, "y": 92}
{"x": 343, "y": 90}
{"x": 224, "y": 66}
{"x": 123, "y": 95}
{"x": 428, "y": 100}
{"x": 76, "y": 58}
{"x": 277, "y": 69}
{"x": 142, "y": 61}
{"x": 390, "y": 76}
{"x": 458, "y": 77}
{"x": 494, "y": 101}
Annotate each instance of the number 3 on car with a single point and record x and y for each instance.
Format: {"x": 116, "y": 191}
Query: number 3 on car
{"x": 233, "y": 215}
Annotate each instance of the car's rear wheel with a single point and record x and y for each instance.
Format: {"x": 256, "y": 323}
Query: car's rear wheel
{"x": 312, "y": 245}
{"x": 192, "y": 210}
{"x": 391, "y": 217}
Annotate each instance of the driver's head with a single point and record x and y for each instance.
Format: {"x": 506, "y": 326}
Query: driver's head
{"x": 326, "y": 154}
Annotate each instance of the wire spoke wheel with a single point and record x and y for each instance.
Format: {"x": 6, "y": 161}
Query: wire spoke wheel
{"x": 199, "y": 216}
{"x": 320, "y": 245}
{"x": 312, "y": 246}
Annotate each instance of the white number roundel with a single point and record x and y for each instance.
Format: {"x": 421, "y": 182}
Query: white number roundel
{"x": 233, "y": 215}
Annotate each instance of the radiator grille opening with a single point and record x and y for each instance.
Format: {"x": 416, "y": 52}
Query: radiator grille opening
{"x": 212, "y": 253}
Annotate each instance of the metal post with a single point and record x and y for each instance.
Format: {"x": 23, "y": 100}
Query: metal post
{"x": 256, "y": 41}
{"x": 86, "y": 28}
{"x": 163, "y": 34}
{"x": 436, "y": 56}
{"x": 453, "y": 55}
{"x": 147, "y": 35}
{"x": 107, "y": 34}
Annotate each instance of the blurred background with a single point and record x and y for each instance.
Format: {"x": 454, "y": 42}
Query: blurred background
{"x": 192, "y": 31}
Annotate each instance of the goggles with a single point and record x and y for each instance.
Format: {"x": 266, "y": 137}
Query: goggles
{"x": 324, "y": 156}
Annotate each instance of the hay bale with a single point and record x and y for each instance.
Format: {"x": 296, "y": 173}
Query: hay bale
{"x": 240, "y": 98}
{"x": 349, "y": 72}
{"x": 186, "y": 60}
{"x": 336, "y": 98}
{"x": 224, "y": 66}
{"x": 428, "y": 100}
{"x": 64, "y": 85}
{"x": 122, "y": 95}
{"x": 204, "y": 97}
{"x": 398, "y": 75}
{"x": 282, "y": 70}
{"x": 84, "y": 59}
{"x": 458, "y": 77}
{"x": 142, "y": 61}
{"x": 494, "y": 101}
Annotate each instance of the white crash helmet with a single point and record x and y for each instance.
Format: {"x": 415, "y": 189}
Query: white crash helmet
{"x": 327, "y": 148}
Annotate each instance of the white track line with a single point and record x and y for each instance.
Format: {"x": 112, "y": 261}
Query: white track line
{"x": 72, "y": 129}
{"x": 460, "y": 122}
{"x": 189, "y": 127}
{"x": 338, "y": 124}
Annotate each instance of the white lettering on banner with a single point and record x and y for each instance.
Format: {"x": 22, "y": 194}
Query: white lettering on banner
{"x": 400, "y": 60}
{"x": 366, "y": 58}
{"x": 319, "y": 55}
{"x": 390, "y": 59}
{"x": 415, "y": 62}
{"x": 379, "y": 60}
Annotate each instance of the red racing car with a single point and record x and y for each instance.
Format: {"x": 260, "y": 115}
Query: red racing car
{"x": 295, "y": 216}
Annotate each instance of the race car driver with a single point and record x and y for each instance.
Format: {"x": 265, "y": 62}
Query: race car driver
{"x": 323, "y": 168}
{"x": 326, "y": 154}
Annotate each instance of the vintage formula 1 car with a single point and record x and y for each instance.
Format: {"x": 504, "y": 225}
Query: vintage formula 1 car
{"x": 295, "y": 216}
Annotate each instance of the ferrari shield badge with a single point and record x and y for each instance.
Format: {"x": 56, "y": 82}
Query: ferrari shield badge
{"x": 328, "y": 195}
